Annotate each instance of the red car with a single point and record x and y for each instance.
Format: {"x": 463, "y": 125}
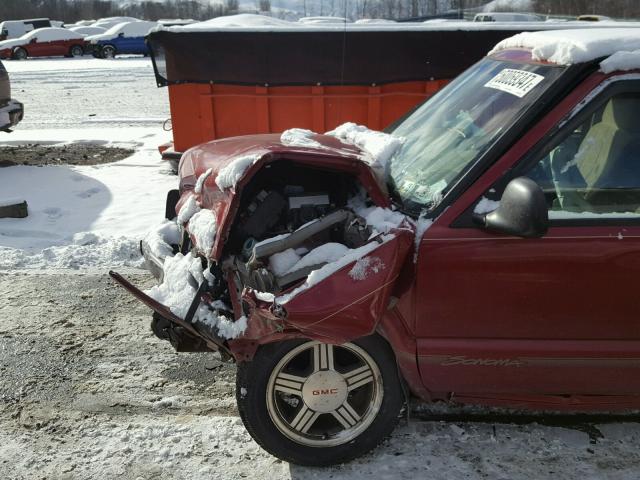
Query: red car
{"x": 485, "y": 251}
{"x": 44, "y": 42}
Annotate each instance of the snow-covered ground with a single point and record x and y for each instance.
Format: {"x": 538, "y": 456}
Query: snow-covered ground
{"x": 87, "y": 92}
{"x": 85, "y": 216}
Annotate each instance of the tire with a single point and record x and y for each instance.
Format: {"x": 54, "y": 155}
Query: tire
{"x": 108, "y": 51}
{"x": 315, "y": 404}
{"x": 20, "y": 54}
{"x": 76, "y": 51}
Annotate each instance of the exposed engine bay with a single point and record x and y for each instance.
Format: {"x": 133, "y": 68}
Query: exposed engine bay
{"x": 293, "y": 222}
{"x": 288, "y": 208}
{"x": 297, "y": 216}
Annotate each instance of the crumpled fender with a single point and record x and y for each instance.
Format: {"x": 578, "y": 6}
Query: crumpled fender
{"x": 339, "y": 308}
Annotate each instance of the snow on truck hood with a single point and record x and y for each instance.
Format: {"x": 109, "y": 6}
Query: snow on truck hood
{"x": 619, "y": 46}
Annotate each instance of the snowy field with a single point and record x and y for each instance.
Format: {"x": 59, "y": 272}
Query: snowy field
{"x": 88, "y": 393}
{"x": 83, "y": 216}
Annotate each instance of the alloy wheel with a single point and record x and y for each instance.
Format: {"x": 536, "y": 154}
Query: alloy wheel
{"x": 108, "y": 51}
{"x": 324, "y": 395}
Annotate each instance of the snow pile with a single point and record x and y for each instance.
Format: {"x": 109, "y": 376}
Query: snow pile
{"x": 188, "y": 210}
{"x": 299, "y": 137}
{"x": 326, "y": 253}
{"x": 365, "y": 266}
{"x": 242, "y": 20}
{"x": 203, "y": 226}
{"x": 568, "y": 47}
{"x": 81, "y": 251}
{"x": 265, "y": 296}
{"x": 382, "y": 220}
{"x": 182, "y": 276}
{"x": 179, "y": 286}
{"x": 229, "y": 176}
{"x": 160, "y": 238}
{"x": 201, "y": 179}
{"x": 378, "y": 145}
{"x": 281, "y": 262}
{"x": 621, "y": 61}
{"x": 315, "y": 277}
{"x": 84, "y": 216}
{"x": 226, "y": 328}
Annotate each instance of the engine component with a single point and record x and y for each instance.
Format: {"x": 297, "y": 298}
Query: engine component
{"x": 263, "y": 214}
{"x": 356, "y": 232}
{"x": 305, "y": 208}
{"x": 268, "y": 248}
{"x": 344, "y": 225}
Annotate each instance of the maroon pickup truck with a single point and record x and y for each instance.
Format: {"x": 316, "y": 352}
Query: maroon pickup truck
{"x": 485, "y": 250}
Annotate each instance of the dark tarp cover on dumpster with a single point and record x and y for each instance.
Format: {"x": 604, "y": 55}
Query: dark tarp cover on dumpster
{"x": 275, "y": 58}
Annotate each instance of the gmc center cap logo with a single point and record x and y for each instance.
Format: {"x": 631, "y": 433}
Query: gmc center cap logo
{"x": 324, "y": 391}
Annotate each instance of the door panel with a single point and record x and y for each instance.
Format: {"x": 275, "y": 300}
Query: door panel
{"x": 560, "y": 314}
{"x": 555, "y": 315}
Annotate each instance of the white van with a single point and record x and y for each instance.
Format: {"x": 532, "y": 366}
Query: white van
{"x": 17, "y": 28}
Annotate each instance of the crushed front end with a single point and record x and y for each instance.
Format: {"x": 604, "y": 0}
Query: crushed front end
{"x": 271, "y": 238}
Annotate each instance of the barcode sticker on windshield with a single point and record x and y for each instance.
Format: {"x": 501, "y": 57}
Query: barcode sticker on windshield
{"x": 515, "y": 82}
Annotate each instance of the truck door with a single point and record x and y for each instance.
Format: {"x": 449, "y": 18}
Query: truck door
{"x": 554, "y": 315}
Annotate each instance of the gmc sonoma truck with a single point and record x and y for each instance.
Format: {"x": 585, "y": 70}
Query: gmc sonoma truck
{"x": 484, "y": 250}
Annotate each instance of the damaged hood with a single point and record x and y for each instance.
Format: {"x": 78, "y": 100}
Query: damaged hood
{"x": 215, "y": 173}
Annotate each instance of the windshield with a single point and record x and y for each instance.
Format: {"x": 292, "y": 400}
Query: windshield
{"x": 449, "y": 133}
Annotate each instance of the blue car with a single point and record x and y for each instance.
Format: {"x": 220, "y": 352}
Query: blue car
{"x": 124, "y": 38}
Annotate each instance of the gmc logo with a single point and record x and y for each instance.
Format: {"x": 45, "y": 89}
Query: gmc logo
{"x": 331, "y": 391}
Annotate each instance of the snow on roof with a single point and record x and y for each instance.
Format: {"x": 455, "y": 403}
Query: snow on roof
{"x": 568, "y": 47}
{"x": 253, "y": 22}
{"x": 621, "y": 61}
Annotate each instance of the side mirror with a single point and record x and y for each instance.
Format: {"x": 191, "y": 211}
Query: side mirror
{"x": 523, "y": 211}
{"x": 33, "y": 40}
{"x": 121, "y": 34}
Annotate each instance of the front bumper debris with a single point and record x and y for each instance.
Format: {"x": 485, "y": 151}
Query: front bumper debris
{"x": 167, "y": 325}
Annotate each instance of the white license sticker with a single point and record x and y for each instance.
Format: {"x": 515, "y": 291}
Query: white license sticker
{"x": 515, "y": 82}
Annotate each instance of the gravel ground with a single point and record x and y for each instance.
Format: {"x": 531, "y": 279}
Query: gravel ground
{"x": 87, "y": 392}
{"x": 70, "y": 154}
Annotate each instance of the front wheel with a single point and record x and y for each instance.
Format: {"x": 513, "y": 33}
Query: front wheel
{"x": 76, "y": 51}
{"x": 108, "y": 51}
{"x": 20, "y": 54}
{"x": 317, "y": 404}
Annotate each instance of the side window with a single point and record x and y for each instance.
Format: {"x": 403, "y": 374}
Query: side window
{"x": 592, "y": 170}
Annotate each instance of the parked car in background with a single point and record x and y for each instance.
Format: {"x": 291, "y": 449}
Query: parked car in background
{"x": 88, "y": 30}
{"x": 507, "y": 17}
{"x": 44, "y": 42}
{"x": 16, "y": 28}
{"x": 594, "y": 18}
{"x": 124, "y": 38}
{"x": 11, "y": 111}
{"x": 485, "y": 250}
